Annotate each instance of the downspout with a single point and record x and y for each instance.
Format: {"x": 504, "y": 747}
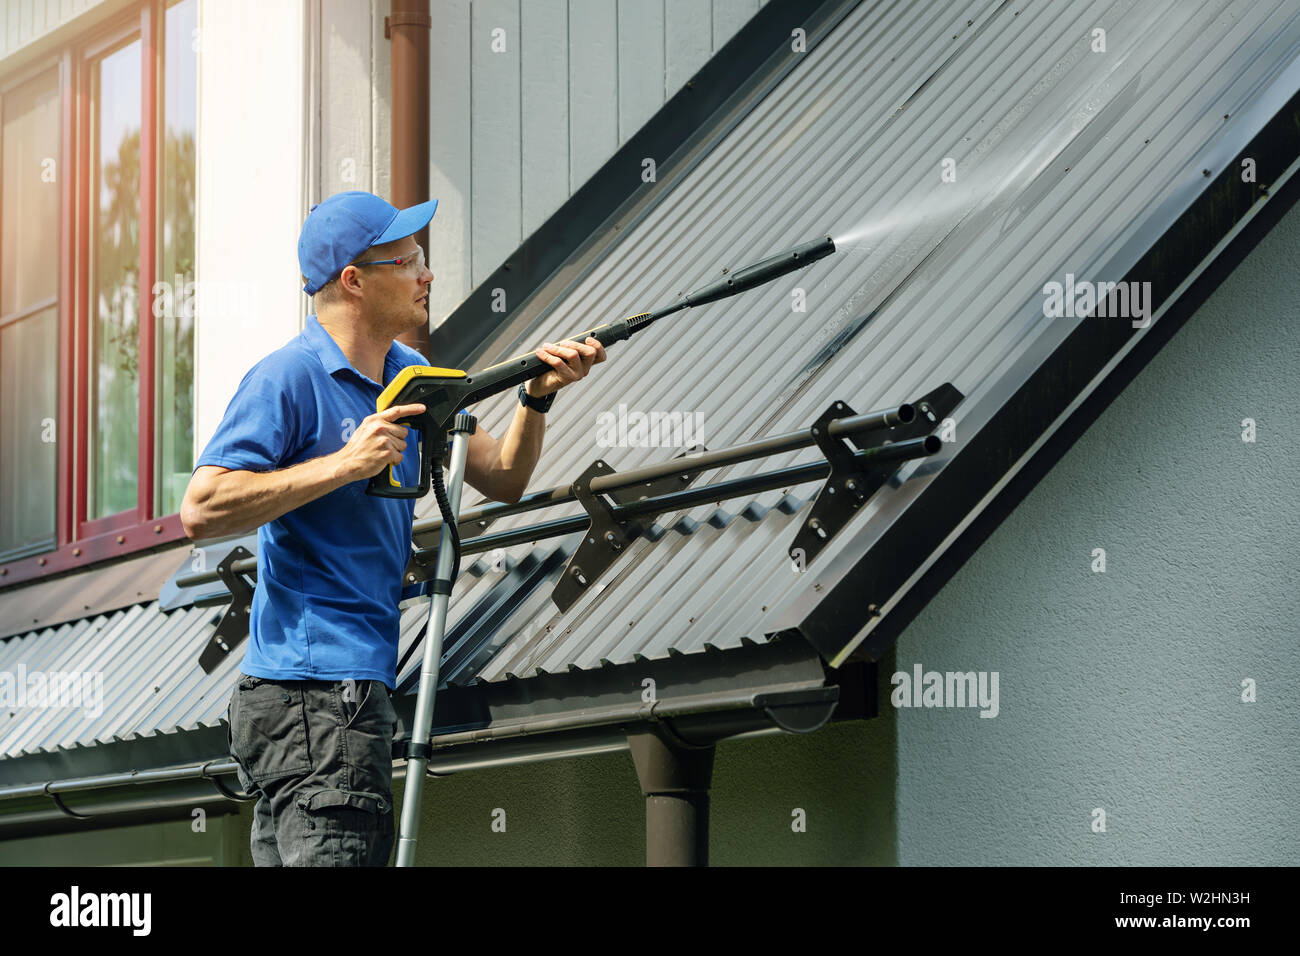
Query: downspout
{"x": 408, "y": 28}
{"x": 675, "y": 777}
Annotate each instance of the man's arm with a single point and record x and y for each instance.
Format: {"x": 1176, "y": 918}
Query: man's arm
{"x": 221, "y": 501}
{"x": 500, "y": 470}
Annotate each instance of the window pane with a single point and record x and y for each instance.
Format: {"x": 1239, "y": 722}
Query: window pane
{"x": 115, "y": 364}
{"x": 174, "y": 309}
{"x": 30, "y": 199}
{"x": 29, "y": 273}
{"x": 28, "y": 409}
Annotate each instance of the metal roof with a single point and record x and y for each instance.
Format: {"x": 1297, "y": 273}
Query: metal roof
{"x": 71, "y": 597}
{"x": 1067, "y": 160}
{"x": 535, "y": 638}
{"x": 149, "y": 681}
{"x": 1064, "y": 157}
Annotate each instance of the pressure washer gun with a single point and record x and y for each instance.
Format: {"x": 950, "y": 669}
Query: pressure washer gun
{"x": 445, "y": 391}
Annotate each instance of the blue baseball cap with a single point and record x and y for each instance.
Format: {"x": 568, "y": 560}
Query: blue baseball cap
{"x": 346, "y": 225}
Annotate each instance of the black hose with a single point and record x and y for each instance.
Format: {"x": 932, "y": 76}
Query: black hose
{"x": 448, "y": 517}
{"x": 449, "y": 522}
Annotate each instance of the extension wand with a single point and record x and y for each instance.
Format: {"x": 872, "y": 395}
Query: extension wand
{"x": 444, "y": 391}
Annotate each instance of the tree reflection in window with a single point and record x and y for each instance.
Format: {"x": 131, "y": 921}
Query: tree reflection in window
{"x": 176, "y": 314}
{"x": 116, "y": 365}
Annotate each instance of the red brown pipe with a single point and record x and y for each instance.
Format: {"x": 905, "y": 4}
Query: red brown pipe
{"x": 408, "y": 28}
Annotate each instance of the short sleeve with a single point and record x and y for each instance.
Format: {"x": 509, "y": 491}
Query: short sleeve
{"x": 259, "y": 431}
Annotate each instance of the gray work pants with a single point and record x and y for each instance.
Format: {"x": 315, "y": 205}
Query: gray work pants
{"x": 318, "y": 754}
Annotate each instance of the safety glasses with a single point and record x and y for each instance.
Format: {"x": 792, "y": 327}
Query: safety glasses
{"x": 415, "y": 260}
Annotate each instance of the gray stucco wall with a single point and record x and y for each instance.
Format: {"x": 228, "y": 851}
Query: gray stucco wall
{"x": 1123, "y": 690}
{"x": 196, "y": 841}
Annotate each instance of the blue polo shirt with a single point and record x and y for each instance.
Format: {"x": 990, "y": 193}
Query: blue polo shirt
{"x": 329, "y": 573}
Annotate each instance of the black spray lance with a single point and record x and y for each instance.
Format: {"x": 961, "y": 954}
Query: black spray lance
{"x": 444, "y": 392}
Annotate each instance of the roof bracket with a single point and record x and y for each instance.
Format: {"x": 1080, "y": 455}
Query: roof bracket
{"x": 232, "y": 630}
{"x": 605, "y": 540}
{"x": 856, "y": 475}
{"x": 193, "y": 585}
{"x": 607, "y": 536}
{"x": 416, "y": 570}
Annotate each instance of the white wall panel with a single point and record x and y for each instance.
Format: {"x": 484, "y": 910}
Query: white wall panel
{"x": 593, "y": 87}
{"x": 640, "y": 63}
{"x": 250, "y": 192}
{"x": 495, "y": 133}
{"x": 544, "y": 83}
{"x": 26, "y": 29}
{"x": 380, "y": 109}
{"x": 729, "y": 16}
{"x": 688, "y": 31}
{"x": 450, "y": 161}
{"x": 25, "y": 23}
{"x": 346, "y": 160}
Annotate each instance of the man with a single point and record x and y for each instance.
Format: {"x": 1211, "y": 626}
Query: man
{"x": 311, "y": 720}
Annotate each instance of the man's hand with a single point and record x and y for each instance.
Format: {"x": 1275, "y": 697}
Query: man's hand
{"x": 376, "y": 443}
{"x": 222, "y": 501}
{"x": 570, "y": 361}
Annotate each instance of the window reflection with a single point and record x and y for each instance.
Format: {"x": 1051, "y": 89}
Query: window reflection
{"x": 175, "y": 292}
{"x": 115, "y": 363}
{"x": 29, "y": 275}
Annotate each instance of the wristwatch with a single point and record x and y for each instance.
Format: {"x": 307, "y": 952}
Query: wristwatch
{"x": 542, "y": 405}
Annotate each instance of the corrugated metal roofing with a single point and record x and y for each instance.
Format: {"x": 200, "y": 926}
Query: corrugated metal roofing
{"x": 1062, "y": 155}
{"x": 143, "y": 679}
{"x": 44, "y": 604}
{"x": 1065, "y": 158}
{"x": 536, "y": 638}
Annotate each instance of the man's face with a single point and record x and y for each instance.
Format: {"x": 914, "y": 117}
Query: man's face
{"x": 397, "y": 295}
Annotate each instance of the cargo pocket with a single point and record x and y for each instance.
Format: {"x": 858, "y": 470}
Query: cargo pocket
{"x": 368, "y": 739}
{"x": 344, "y": 828}
{"x": 371, "y": 803}
{"x": 268, "y": 729}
